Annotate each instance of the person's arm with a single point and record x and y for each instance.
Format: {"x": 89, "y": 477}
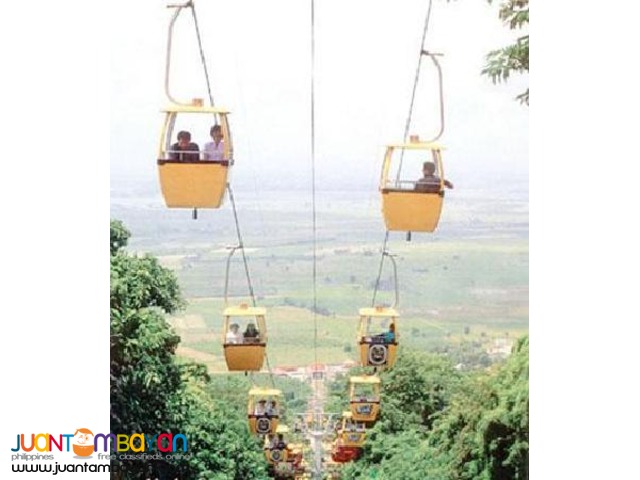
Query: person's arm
{"x": 448, "y": 184}
{"x": 173, "y": 155}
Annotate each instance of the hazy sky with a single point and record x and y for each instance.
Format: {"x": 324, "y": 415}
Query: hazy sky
{"x": 258, "y": 55}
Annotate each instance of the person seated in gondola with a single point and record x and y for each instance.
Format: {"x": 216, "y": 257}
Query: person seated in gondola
{"x": 272, "y": 409}
{"x": 270, "y": 442}
{"x": 179, "y": 150}
{"x": 430, "y": 182}
{"x": 251, "y": 334}
{"x": 350, "y": 426}
{"x": 233, "y": 335}
{"x": 214, "y": 150}
{"x": 261, "y": 408}
{"x": 386, "y": 337}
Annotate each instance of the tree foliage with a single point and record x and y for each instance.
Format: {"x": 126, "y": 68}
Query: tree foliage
{"x": 439, "y": 424}
{"x": 119, "y": 236}
{"x": 514, "y": 58}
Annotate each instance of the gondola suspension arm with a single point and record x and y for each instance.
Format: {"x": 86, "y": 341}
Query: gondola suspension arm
{"x": 178, "y": 9}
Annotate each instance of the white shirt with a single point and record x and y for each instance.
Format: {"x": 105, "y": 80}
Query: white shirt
{"x": 213, "y": 151}
{"x": 234, "y": 337}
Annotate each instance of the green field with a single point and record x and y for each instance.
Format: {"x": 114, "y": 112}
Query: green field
{"x": 460, "y": 288}
{"x": 449, "y": 293}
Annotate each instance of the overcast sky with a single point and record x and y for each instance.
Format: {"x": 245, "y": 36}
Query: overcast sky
{"x": 258, "y": 56}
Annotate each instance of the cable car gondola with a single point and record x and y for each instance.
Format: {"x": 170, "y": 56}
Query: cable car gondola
{"x": 378, "y": 350}
{"x": 263, "y": 410}
{"x": 247, "y": 353}
{"x": 364, "y": 399}
{"x": 285, "y": 460}
{"x": 412, "y": 205}
{"x": 189, "y": 180}
{"x": 189, "y": 177}
{"x": 350, "y": 440}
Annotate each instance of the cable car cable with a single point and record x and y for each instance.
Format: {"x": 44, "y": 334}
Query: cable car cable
{"x": 377, "y": 284}
{"x": 202, "y": 58}
{"x": 313, "y": 187}
{"x": 317, "y": 468}
{"x": 415, "y": 84}
{"x": 241, "y": 245}
{"x": 396, "y": 301}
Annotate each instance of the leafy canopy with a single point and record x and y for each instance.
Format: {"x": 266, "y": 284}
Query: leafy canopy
{"x": 514, "y": 58}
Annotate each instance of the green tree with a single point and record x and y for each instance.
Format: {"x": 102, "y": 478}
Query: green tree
{"x": 143, "y": 374}
{"x": 415, "y": 390}
{"x": 442, "y": 425}
{"x": 119, "y": 236}
{"x": 514, "y": 58}
{"x": 485, "y": 431}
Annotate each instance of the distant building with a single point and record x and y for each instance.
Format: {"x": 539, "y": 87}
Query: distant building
{"x": 317, "y": 371}
{"x": 500, "y": 348}
{"x": 291, "y": 371}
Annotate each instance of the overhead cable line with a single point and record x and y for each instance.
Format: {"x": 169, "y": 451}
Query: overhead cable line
{"x": 317, "y": 470}
{"x": 202, "y": 58}
{"x": 313, "y": 184}
{"x": 382, "y": 255}
{"x": 386, "y": 254}
{"x": 425, "y": 29}
{"x": 240, "y": 245}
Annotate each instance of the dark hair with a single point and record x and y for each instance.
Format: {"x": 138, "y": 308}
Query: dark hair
{"x": 184, "y": 134}
{"x": 215, "y": 128}
{"x": 429, "y": 166}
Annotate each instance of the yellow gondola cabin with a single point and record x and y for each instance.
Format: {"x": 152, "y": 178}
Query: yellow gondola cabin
{"x": 244, "y": 352}
{"x": 351, "y": 433}
{"x": 406, "y": 205}
{"x": 365, "y": 399}
{"x": 378, "y": 348}
{"x": 263, "y": 410}
{"x": 349, "y": 441}
{"x": 285, "y": 459}
{"x": 191, "y": 180}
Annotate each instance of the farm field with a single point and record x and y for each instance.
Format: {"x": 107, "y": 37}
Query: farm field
{"x": 465, "y": 285}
